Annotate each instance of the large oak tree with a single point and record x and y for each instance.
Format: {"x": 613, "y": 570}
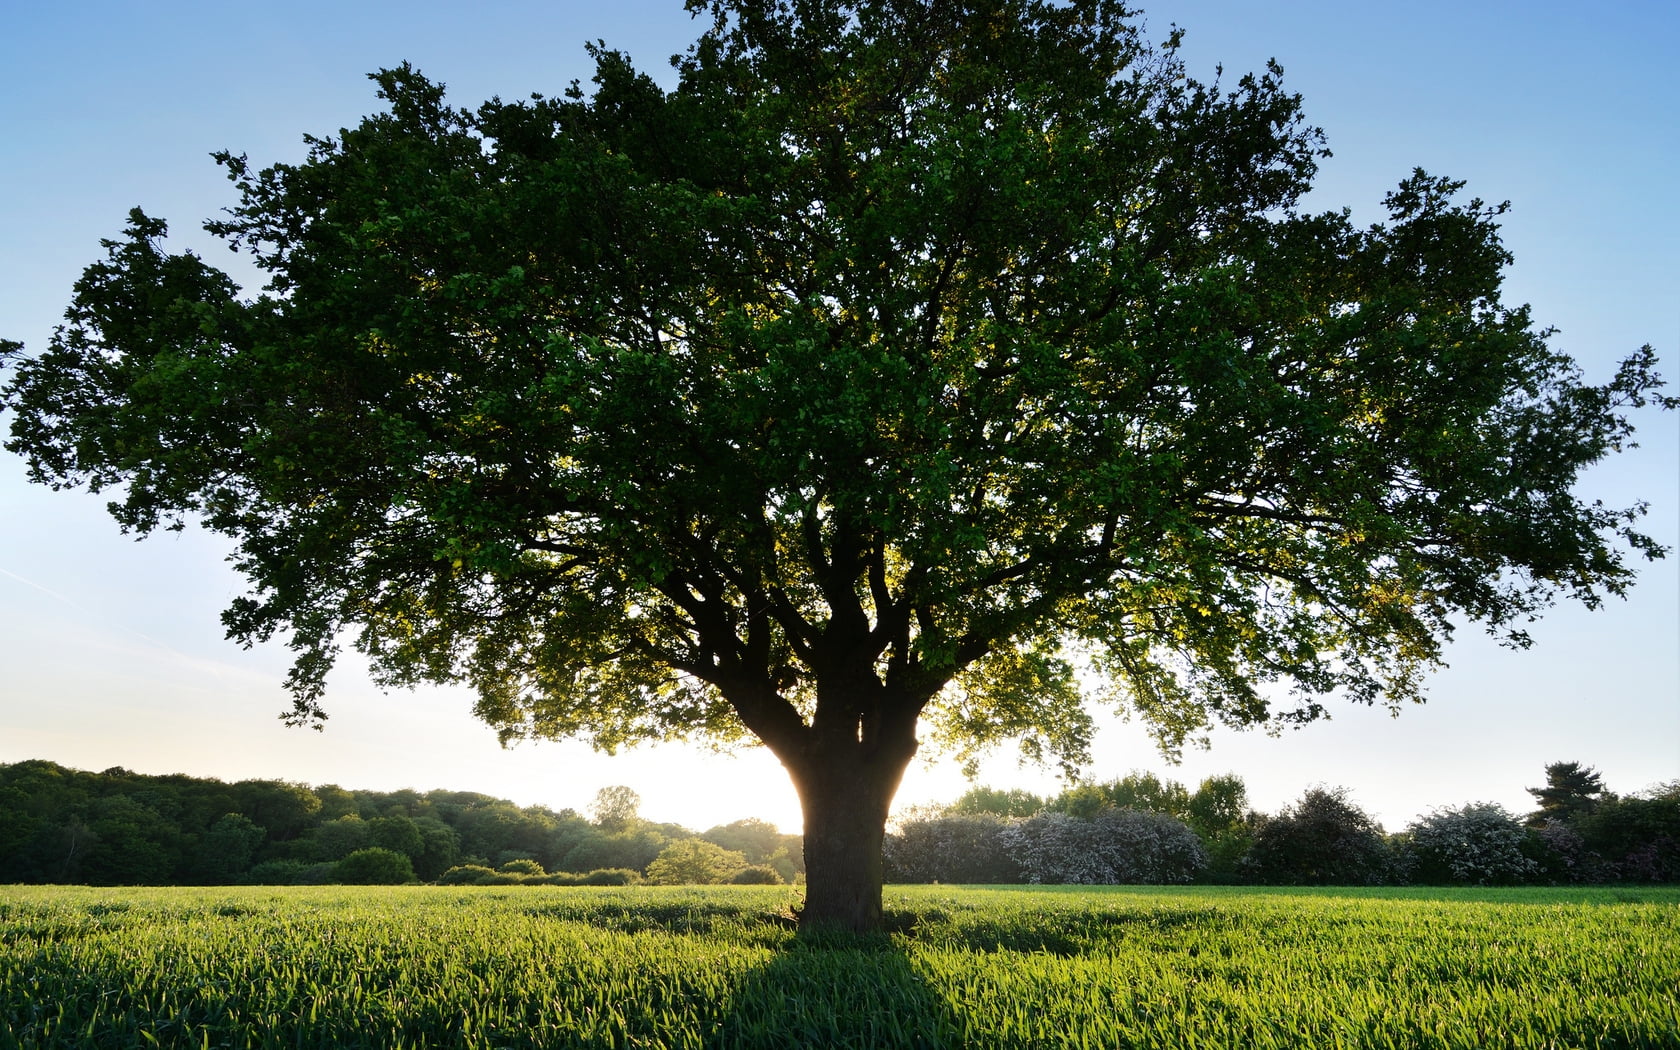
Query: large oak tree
{"x": 910, "y": 363}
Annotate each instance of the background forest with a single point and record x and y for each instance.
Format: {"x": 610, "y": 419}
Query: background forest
{"x": 60, "y": 825}
{"x": 63, "y": 825}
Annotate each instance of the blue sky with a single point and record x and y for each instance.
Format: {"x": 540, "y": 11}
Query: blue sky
{"x": 112, "y": 651}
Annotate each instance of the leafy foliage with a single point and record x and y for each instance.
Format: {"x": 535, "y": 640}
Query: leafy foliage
{"x": 49, "y": 813}
{"x": 64, "y": 825}
{"x": 1136, "y": 790}
{"x": 1116, "y": 846}
{"x": 1572, "y": 791}
{"x": 1322, "y": 840}
{"x": 615, "y": 808}
{"x": 1220, "y": 804}
{"x": 998, "y": 802}
{"x": 466, "y": 875}
{"x": 1638, "y": 836}
{"x": 1478, "y": 844}
{"x": 899, "y": 363}
{"x": 763, "y": 844}
{"x": 1051, "y": 847}
{"x": 529, "y": 873}
{"x": 953, "y": 847}
{"x": 375, "y": 866}
{"x": 227, "y": 847}
{"x": 694, "y": 862}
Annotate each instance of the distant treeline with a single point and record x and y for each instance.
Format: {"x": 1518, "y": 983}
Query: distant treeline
{"x": 1143, "y": 829}
{"x": 60, "y": 825}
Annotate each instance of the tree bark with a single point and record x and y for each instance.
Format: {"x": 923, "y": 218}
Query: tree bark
{"x": 845, "y": 790}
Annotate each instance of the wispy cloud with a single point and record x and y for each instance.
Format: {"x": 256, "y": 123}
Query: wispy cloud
{"x": 106, "y": 622}
{"x": 44, "y": 590}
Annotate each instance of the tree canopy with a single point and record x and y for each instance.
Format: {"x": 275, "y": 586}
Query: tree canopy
{"x": 900, "y": 365}
{"x": 1572, "y": 791}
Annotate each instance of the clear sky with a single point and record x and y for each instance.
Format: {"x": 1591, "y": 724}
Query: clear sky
{"x": 111, "y": 652}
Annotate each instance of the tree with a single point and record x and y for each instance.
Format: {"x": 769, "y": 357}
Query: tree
{"x": 283, "y": 810}
{"x": 761, "y": 842}
{"x": 440, "y": 847}
{"x": 615, "y": 808}
{"x": 337, "y": 839}
{"x": 1572, "y": 792}
{"x": 1638, "y": 835}
{"x": 398, "y": 834}
{"x": 225, "y": 851}
{"x": 131, "y": 844}
{"x": 899, "y": 362}
{"x": 694, "y": 862}
{"x": 1220, "y": 804}
{"x": 1219, "y": 813}
{"x": 1000, "y": 802}
{"x": 634, "y": 849}
{"x": 1138, "y": 790}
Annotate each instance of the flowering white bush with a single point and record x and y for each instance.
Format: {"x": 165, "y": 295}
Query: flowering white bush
{"x": 1479, "y": 844}
{"x": 1115, "y": 846}
{"x": 960, "y": 848}
{"x": 1057, "y": 848}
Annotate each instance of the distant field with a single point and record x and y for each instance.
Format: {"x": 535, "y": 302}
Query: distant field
{"x": 535, "y": 967}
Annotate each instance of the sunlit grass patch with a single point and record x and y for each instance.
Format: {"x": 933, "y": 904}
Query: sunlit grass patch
{"x": 721, "y": 967}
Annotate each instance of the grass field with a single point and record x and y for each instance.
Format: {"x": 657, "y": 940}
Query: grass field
{"x": 964, "y": 967}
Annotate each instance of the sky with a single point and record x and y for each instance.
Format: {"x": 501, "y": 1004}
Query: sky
{"x": 112, "y": 651}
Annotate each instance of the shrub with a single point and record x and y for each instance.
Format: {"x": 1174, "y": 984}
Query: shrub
{"x": 522, "y": 866}
{"x": 958, "y": 847}
{"x": 506, "y": 878}
{"x": 1226, "y": 849}
{"x": 1114, "y": 847}
{"x": 634, "y": 849}
{"x": 694, "y": 862}
{"x": 756, "y": 875}
{"x": 479, "y": 875}
{"x": 1154, "y": 848}
{"x": 320, "y": 873}
{"x": 375, "y": 866}
{"x": 560, "y": 878}
{"x": 1638, "y": 836}
{"x": 1479, "y": 844}
{"x": 612, "y": 877}
{"x": 1322, "y": 840}
{"x": 276, "y": 873}
{"x": 1562, "y": 855}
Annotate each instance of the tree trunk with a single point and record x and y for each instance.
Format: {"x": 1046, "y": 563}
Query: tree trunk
{"x": 845, "y": 792}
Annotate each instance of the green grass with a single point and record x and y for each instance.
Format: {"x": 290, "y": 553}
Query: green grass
{"x": 964, "y": 967}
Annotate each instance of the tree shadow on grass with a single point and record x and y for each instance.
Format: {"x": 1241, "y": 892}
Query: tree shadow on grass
{"x": 835, "y": 990}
